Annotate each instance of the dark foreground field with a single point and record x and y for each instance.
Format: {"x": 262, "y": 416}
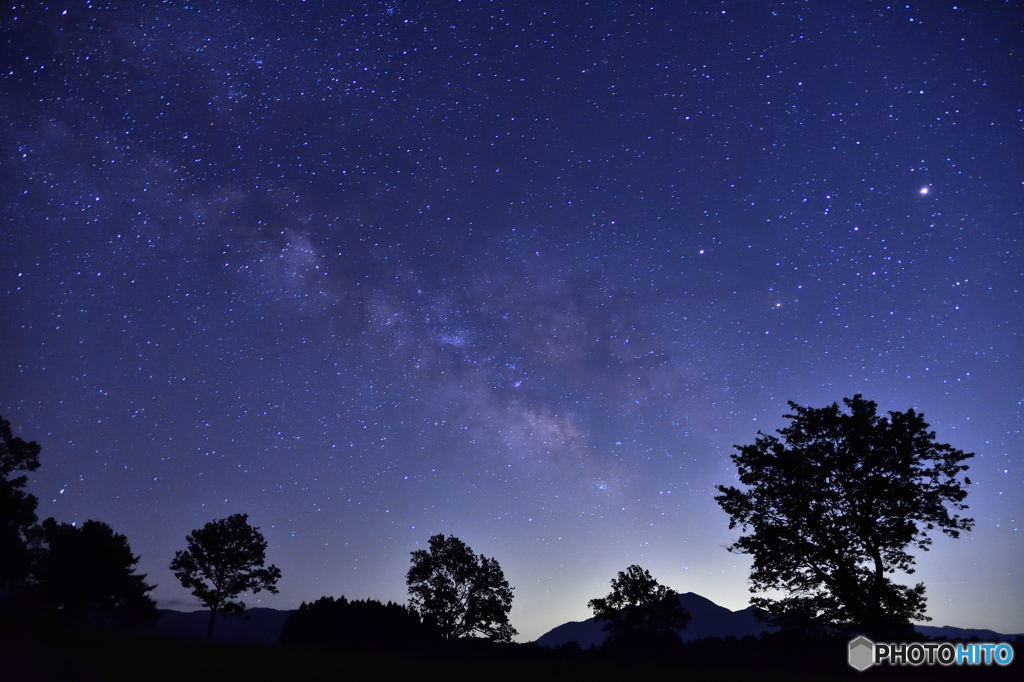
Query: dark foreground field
{"x": 48, "y": 652}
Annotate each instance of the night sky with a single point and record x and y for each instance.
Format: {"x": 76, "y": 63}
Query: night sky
{"x": 519, "y": 272}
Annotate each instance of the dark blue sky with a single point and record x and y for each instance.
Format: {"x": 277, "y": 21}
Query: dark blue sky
{"x": 521, "y": 272}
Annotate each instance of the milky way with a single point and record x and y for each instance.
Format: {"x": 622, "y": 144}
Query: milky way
{"x": 517, "y": 272}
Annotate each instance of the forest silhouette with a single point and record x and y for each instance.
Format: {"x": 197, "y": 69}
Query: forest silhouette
{"x": 830, "y": 508}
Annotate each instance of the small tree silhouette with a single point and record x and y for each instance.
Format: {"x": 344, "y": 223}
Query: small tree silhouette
{"x": 17, "y": 508}
{"x": 87, "y": 573}
{"x": 459, "y": 593}
{"x": 639, "y": 610}
{"x": 222, "y": 560}
{"x": 832, "y": 507}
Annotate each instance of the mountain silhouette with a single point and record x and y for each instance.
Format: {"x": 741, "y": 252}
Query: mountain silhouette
{"x": 953, "y": 633}
{"x": 254, "y": 626}
{"x": 708, "y": 620}
{"x": 263, "y": 626}
{"x": 711, "y": 620}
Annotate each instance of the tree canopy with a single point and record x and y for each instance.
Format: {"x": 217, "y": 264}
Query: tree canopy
{"x": 222, "y": 560}
{"x": 459, "y": 593}
{"x": 87, "y": 573}
{"x": 832, "y": 506}
{"x": 359, "y": 625}
{"x": 17, "y": 507}
{"x": 640, "y": 609}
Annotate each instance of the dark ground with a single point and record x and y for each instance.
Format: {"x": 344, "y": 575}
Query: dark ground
{"x": 34, "y": 651}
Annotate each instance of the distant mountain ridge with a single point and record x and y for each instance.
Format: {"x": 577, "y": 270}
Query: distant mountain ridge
{"x": 711, "y": 620}
{"x": 263, "y": 626}
{"x": 950, "y": 632}
{"x": 254, "y": 626}
{"x": 708, "y": 620}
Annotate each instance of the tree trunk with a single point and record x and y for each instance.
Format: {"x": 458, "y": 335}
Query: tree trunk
{"x": 877, "y": 585}
{"x": 209, "y": 627}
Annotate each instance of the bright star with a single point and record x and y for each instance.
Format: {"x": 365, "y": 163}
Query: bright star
{"x": 924, "y": 190}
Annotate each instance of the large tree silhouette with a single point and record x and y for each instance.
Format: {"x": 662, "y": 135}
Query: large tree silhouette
{"x": 832, "y": 507}
{"x": 222, "y": 560}
{"x": 87, "y": 573}
{"x": 459, "y": 593}
{"x": 640, "y": 610}
{"x": 17, "y": 508}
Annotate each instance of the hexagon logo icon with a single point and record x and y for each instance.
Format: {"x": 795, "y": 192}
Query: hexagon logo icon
{"x": 861, "y": 655}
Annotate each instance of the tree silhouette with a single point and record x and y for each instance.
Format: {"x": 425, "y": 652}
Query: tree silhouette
{"x": 833, "y": 507}
{"x": 459, "y": 593}
{"x": 355, "y": 625}
{"x": 222, "y": 560}
{"x": 17, "y": 508}
{"x": 87, "y": 573}
{"x": 640, "y": 610}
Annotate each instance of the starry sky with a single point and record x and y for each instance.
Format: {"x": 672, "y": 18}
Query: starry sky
{"x": 521, "y": 272}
